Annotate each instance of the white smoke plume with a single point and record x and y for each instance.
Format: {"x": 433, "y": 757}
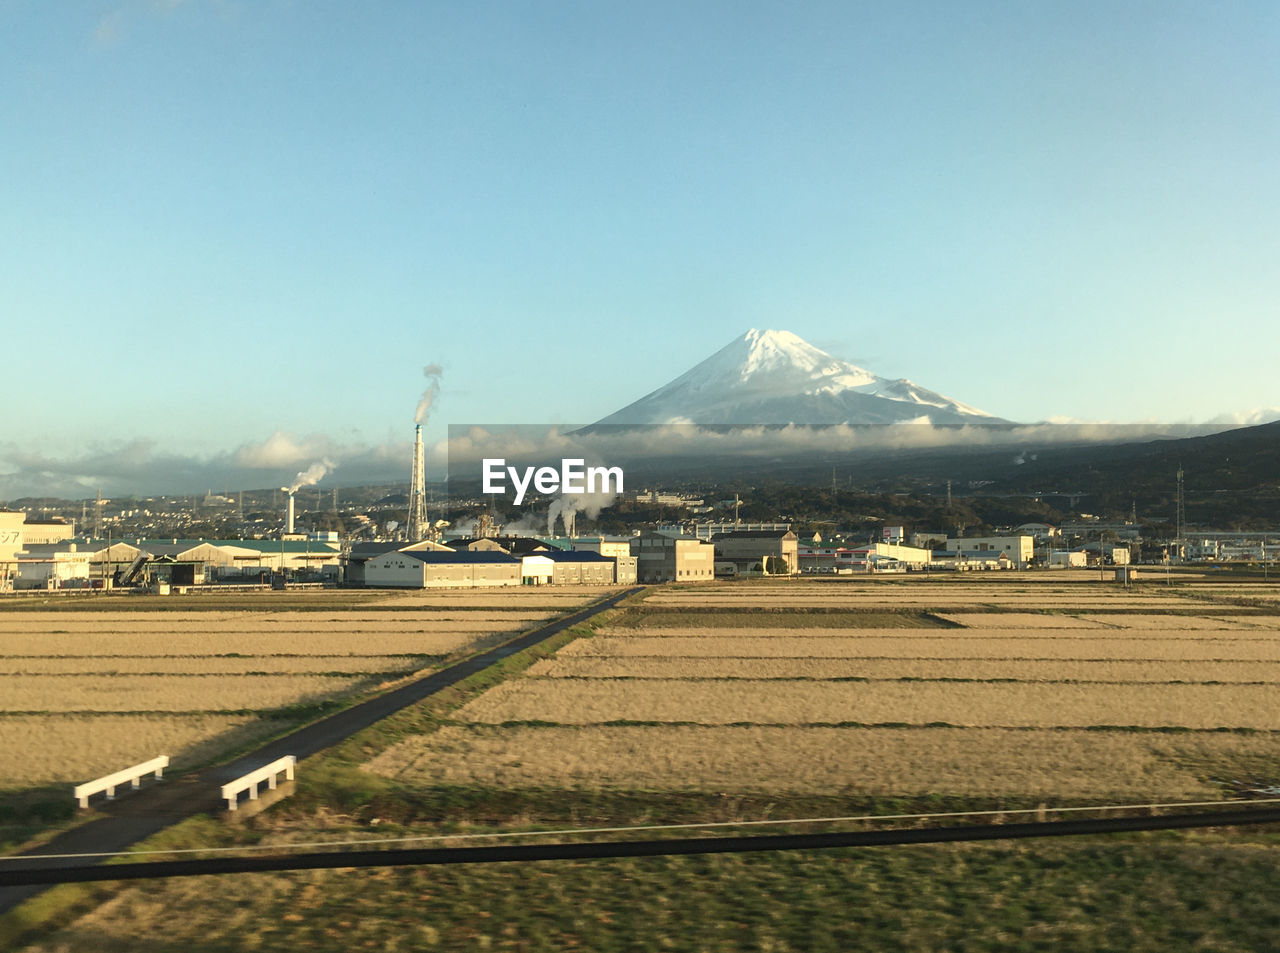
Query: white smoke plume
{"x": 569, "y": 505}
{"x": 527, "y": 525}
{"x": 311, "y": 475}
{"x": 433, "y": 373}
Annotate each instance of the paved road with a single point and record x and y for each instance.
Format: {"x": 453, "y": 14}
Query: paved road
{"x": 139, "y": 815}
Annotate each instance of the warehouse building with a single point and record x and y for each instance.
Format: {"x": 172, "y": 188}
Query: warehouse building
{"x": 1018, "y": 549}
{"x": 581, "y": 568}
{"x": 758, "y": 552}
{"x": 666, "y": 556}
{"x": 875, "y": 557}
{"x": 36, "y": 532}
{"x": 617, "y": 548}
{"x": 50, "y": 566}
{"x": 10, "y": 543}
{"x": 430, "y": 569}
{"x": 353, "y": 562}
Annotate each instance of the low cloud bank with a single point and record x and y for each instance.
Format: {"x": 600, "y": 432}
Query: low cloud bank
{"x": 140, "y": 468}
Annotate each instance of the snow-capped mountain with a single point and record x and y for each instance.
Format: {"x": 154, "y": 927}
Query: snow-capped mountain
{"x": 775, "y": 377}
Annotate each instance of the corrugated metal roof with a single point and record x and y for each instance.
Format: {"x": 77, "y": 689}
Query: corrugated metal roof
{"x": 572, "y": 556}
{"x": 289, "y": 545}
{"x": 466, "y": 556}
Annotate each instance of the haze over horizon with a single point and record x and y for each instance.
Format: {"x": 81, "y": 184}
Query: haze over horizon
{"x": 239, "y": 232}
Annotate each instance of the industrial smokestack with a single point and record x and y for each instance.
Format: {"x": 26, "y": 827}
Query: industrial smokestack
{"x": 417, "y": 517}
{"x": 288, "y": 509}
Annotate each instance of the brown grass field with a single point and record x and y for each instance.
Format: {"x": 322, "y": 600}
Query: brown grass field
{"x": 143, "y": 693}
{"x": 681, "y": 695}
{"x": 180, "y": 672}
{"x": 902, "y": 762}
{"x": 197, "y": 643}
{"x": 725, "y": 722}
{"x": 70, "y": 748}
{"x": 967, "y": 645}
{"x": 212, "y": 664}
{"x": 1022, "y": 670}
{"x": 982, "y": 704}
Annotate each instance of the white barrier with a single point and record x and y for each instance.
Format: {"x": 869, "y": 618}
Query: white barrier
{"x": 231, "y": 790}
{"x": 111, "y": 781}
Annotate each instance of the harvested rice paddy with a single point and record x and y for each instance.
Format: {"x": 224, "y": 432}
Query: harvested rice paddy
{"x": 992, "y": 688}
{"x": 94, "y": 683}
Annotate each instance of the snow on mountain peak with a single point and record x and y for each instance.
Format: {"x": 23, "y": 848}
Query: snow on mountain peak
{"x": 775, "y": 360}
{"x": 776, "y": 377}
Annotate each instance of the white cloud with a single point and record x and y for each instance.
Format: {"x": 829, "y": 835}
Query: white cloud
{"x": 1249, "y": 418}
{"x": 137, "y": 467}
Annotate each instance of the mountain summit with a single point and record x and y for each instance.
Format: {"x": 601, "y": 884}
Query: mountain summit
{"x": 768, "y": 378}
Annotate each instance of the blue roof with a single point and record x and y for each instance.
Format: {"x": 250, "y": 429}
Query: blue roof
{"x": 574, "y": 556}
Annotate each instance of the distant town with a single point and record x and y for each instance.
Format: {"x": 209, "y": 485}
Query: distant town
{"x": 368, "y": 537}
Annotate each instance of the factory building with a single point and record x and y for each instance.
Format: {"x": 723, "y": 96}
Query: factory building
{"x": 604, "y": 545}
{"x": 971, "y": 559}
{"x": 581, "y": 568}
{"x": 1018, "y": 549}
{"x": 10, "y": 543}
{"x": 710, "y": 530}
{"x": 431, "y": 569}
{"x": 513, "y": 545}
{"x": 876, "y": 557}
{"x": 757, "y": 552}
{"x": 50, "y": 566}
{"x": 353, "y": 562}
{"x": 181, "y": 562}
{"x": 665, "y": 556}
{"x": 37, "y": 532}
{"x": 617, "y": 548}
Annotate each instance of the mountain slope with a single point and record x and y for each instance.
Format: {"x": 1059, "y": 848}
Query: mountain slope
{"x": 775, "y": 377}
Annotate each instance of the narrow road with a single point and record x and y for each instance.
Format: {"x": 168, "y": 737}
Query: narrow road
{"x": 140, "y": 814}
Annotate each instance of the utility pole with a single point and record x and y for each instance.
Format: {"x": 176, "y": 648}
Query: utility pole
{"x": 1180, "y": 519}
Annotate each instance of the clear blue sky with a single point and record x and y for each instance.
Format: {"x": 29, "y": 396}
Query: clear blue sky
{"x": 224, "y": 220}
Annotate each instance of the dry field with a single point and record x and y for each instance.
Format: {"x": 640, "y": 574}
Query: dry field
{"x": 1146, "y": 692}
{"x": 186, "y": 682}
{"x": 195, "y": 642}
{"x": 302, "y": 624}
{"x": 807, "y": 702}
{"x": 164, "y": 693}
{"x": 42, "y": 749}
{"x": 1022, "y": 620}
{"x": 985, "y": 669}
{"x": 213, "y": 664}
{"x": 559, "y": 599}
{"x": 1166, "y": 622}
{"x": 973, "y": 762}
{"x": 889, "y": 643}
{"x": 925, "y": 593}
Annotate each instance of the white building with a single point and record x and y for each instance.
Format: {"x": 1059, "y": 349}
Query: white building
{"x": 51, "y": 566}
{"x": 10, "y": 543}
{"x": 45, "y": 532}
{"x": 1019, "y": 549}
